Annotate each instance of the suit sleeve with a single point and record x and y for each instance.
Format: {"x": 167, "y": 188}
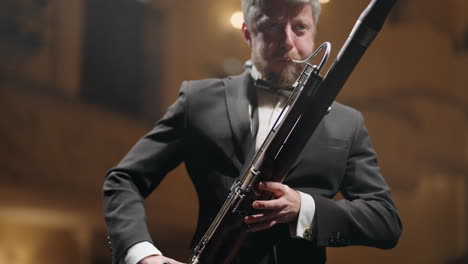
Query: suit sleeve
{"x": 138, "y": 174}
{"x": 367, "y": 215}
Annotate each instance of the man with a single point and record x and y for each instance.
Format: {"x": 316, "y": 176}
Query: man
{"x": 211, "y": 127}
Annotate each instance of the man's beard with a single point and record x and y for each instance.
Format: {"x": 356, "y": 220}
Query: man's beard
{"x": 284, "y": 78}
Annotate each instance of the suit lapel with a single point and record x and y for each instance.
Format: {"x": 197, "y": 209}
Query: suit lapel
{"x": 239, "y": 95}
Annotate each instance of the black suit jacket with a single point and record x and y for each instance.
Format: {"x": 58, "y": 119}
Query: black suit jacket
{"x": 208, "y": 128}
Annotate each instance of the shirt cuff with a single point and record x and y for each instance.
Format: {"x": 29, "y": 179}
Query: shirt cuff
{"x": 305, "y": 219}
{"x": 140, "y": 251}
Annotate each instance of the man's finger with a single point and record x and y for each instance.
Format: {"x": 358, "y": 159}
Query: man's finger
{"x": 158, "y": 259}
{"x": 260, "y": 217}
{"x": 275, "y": 204}
{"x": 275, "y": 187}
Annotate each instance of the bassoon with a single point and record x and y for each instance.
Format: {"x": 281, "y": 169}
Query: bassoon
{"x": 305, "y": 108}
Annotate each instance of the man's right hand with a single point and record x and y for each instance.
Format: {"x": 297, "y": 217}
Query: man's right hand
{"x": 158, "y": 260}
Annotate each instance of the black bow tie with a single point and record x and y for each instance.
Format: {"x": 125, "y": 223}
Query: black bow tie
{"x": 268, "y": 86}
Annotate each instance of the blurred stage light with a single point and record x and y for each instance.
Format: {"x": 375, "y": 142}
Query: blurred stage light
{"x": 237, "y": 19}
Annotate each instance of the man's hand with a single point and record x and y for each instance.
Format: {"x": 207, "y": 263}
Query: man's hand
{"x": 284, "y": 208}
{"x": 158, "y": 260}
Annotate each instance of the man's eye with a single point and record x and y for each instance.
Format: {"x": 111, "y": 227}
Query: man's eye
{"x": 273, "y": 26}
{"x": 301, "y": 27}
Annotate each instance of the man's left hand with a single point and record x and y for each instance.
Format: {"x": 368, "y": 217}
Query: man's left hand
{"x": 283, "y": 208}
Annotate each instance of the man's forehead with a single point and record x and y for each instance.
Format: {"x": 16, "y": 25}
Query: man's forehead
{"x": 281, "y": 10}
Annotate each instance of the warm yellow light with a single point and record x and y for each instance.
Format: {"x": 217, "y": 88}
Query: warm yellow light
{"x": 325, "y": 1}
{"x": 237, "y": 19}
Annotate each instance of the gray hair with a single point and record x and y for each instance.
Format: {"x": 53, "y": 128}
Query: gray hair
{"x": 249, "y": 8}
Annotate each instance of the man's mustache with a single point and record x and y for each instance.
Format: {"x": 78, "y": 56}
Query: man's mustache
{"x": 291, "y": 55}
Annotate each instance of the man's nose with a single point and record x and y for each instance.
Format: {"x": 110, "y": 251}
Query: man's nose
{"x": 287, "y": 42}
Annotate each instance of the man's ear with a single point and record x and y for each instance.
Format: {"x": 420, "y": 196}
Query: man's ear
{"x": 247, "y": 35}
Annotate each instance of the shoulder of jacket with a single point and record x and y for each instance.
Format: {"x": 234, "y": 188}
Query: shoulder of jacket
{"x": 210, "y": 84}
{"x": 345, "y": 111}
{"x": 345, "y": 108}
